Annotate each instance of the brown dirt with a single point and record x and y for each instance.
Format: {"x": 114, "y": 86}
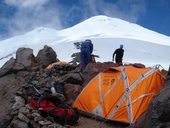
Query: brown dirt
{"x": 85, "y": 122}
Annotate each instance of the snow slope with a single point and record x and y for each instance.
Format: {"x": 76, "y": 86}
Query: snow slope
{"x": 141, "y": 45}
{"x": 106, "y": 27}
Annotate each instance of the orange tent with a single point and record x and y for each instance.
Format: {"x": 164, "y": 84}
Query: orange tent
{"x": 121, "y": 93}
{"x": 56, "y": 63}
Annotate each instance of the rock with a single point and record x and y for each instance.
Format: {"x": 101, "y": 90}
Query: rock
{"x": 6, "y": 80}
{"x": 22, "y": 117}
{"x": 5, "y": 121}
{"x": 46, "y": 56}
{"x": 19, "y": 102}
{"x": 72, "y": 78}
{"x": 14, "y": 113}
{"x": 38, "y": 118}
{"x": 137, "y": 65}
{"x": 24, "y": 59}
{"x": 7, "y": 67}
{"x": 24, "y": 110}
{"x": 35, "y": 114}
{"x": 92, "y": 69}
{"x": 18, "y": 67}
{"x": 71, "y": 92}
{"x": 8, "y": 86}
{"x": 54, "y": 125}
{"x": 158, "y": 115}
{"x": 45, "y": 122}
{"x": 19, "y": 124}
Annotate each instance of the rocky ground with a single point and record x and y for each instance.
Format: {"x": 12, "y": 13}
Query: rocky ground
{"x": 18, "y": 76}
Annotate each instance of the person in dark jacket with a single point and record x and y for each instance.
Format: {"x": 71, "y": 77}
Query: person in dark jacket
{"x": 85, "y": 53}
{"x": 119, "y": 55}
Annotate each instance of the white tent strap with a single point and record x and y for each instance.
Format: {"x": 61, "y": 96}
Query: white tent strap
{"x": 127, "y": 95}
{"x": 113, "y": 85}
{"x": 98, "y": 110}
{"x": 143, "y": 95}
{"x": 117, "y": 107}
{"x": 100, "y": 91}
{"x": 135, "y": 100}
{"x": 142, "y": 77}
{"x": 121, "y": 101}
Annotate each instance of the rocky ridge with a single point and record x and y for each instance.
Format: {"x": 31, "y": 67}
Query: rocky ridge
{"x": 18, "y": 76}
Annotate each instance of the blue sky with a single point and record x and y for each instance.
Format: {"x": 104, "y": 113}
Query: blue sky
{"x": 20, "y": 16}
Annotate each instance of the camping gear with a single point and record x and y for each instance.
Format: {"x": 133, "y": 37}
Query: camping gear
{"x": 121, "y": 93}
{"x": 49, "y": 105}
{"x": 57, "y": 88}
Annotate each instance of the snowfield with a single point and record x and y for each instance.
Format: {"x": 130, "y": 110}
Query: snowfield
{"x": 141, "y": 45}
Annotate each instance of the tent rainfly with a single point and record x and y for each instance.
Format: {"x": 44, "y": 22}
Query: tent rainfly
{"x": 121, "y": 93}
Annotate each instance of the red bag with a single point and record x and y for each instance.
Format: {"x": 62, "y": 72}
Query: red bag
{"x": 61, "y": 115}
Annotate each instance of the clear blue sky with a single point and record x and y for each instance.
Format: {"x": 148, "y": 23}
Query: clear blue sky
{"x": 20, "y": 16}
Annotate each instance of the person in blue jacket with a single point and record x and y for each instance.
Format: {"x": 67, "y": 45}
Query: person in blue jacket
{"x": 85, "y": 53}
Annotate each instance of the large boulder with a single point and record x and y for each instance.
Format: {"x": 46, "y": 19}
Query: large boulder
{"x": 7, "y": 67}
{"x": 71, "y": 92}
{"x": 158, "y": 115}
{"x": 92, "y": 69}
{"x": 46, "y": 56}
{"x": 9, "y": 84}
{"x": 24, "y": 59}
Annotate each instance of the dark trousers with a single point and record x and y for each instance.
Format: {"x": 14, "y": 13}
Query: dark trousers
{"x": 119, "y": 61}
{"x": 85, "y": 56}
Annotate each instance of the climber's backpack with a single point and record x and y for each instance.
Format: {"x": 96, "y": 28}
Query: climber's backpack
{"x": 48, "y": 106}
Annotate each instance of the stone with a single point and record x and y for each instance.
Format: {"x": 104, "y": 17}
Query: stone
{"x": 25, "y": 58}
{"x": 158, "y": 113}
{"x": 46, "y": 56}
{"x": 22, "y": 117}
{"x": 5, "y": 121}
{"x": 7, "y": 67}
{"x": 19, "y": 102}
{"x": 71, "y": 92}
{"x": 19, "y": 124}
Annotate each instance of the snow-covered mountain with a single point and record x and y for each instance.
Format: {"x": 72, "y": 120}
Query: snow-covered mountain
{"x": 141, "y": 45}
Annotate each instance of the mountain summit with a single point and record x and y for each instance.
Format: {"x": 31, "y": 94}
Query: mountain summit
{"x": 107, "y": 27}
